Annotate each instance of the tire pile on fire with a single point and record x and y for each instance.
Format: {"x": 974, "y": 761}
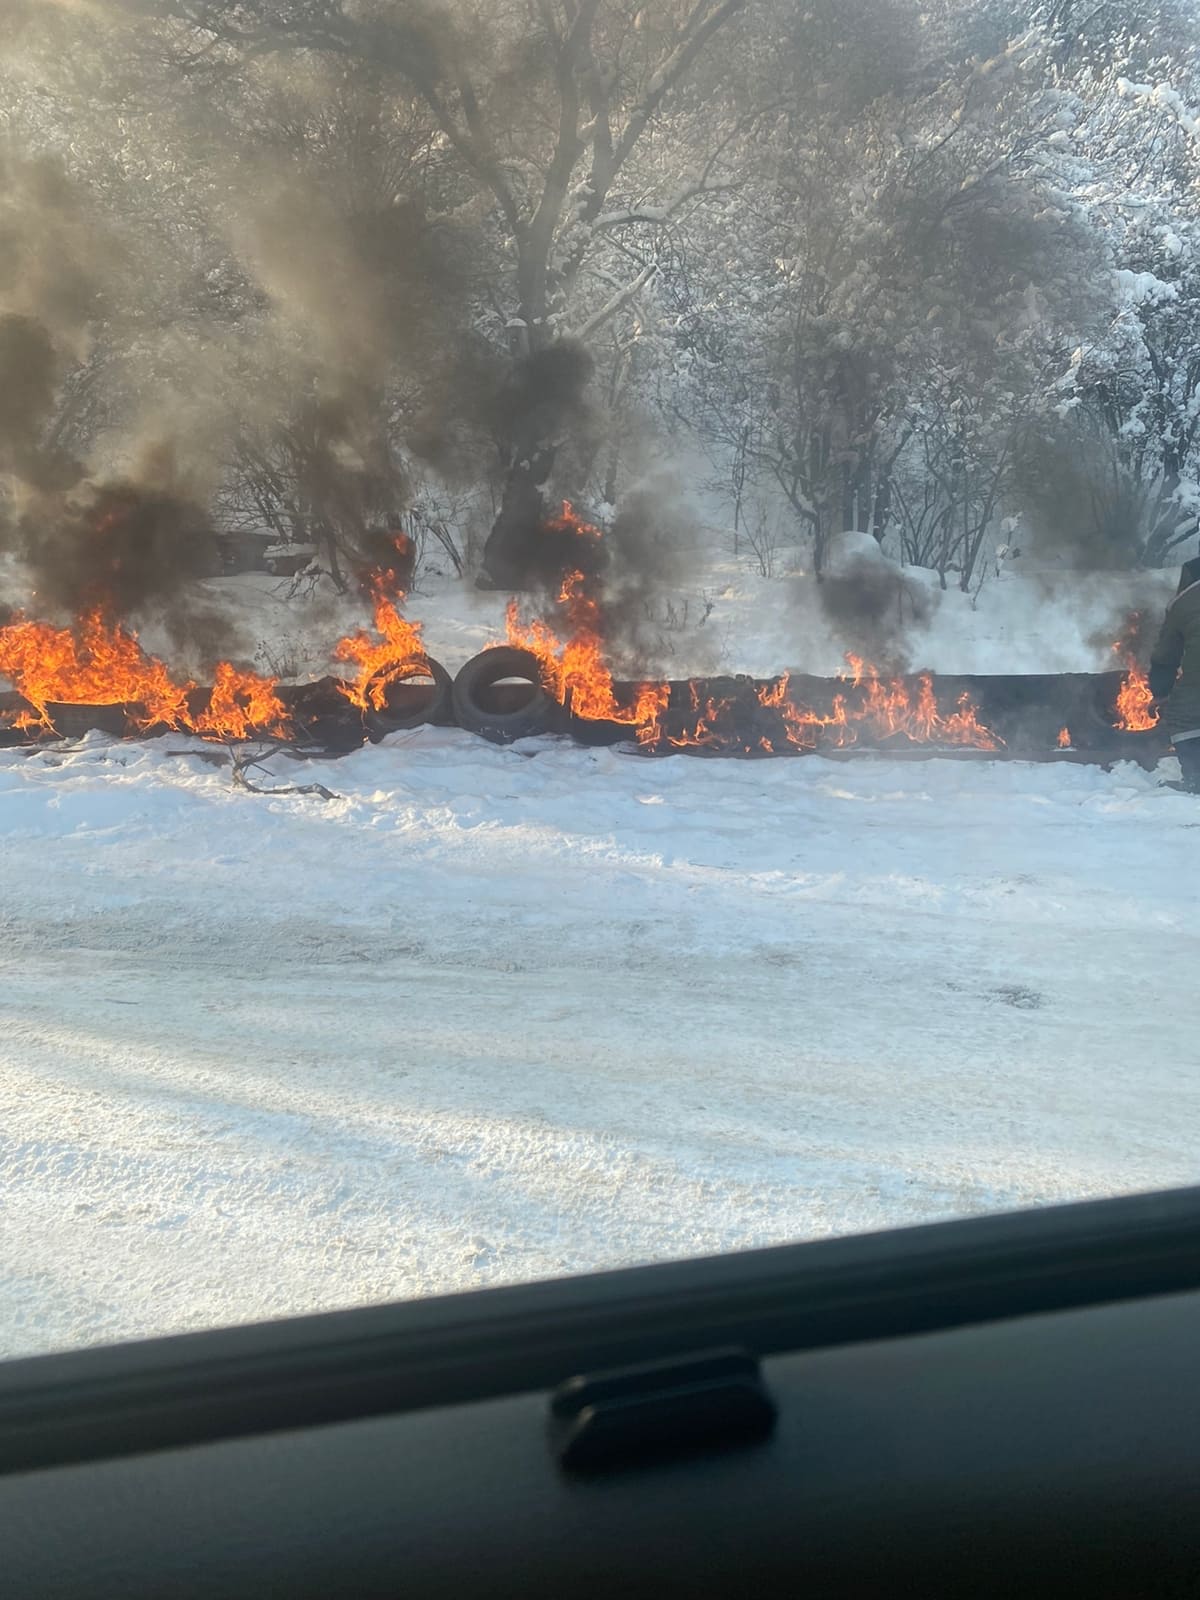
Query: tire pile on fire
{"x": 552, "y": 677}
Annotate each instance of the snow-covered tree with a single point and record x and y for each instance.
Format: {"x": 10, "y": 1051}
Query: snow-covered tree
{"x": 1131, "y": 395}
{"x": 912, "y": 268}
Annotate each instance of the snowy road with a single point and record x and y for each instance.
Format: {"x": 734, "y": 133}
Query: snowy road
{"x": 492, "y": 1015}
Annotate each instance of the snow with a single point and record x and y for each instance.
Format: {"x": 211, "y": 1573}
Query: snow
{"x": 1166, "y": 98}
{"x": 1144, "y": 288}
{"x": 498, "y": 1014}
{"x": 1172, "y": 243}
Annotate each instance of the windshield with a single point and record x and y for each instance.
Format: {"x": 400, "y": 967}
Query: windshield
{"x": 599, "y": 636}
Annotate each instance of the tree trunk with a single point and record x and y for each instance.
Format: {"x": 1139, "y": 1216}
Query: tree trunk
{"x": 881, "y": 509}
{"x": 509, "y": 555}
{"x": 507, "y": 552}
{"x": 327, "y": 540}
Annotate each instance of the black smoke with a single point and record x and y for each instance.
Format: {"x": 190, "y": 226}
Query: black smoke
{"x": 543, "y": 397}
{"x": 539, "y": 404}
{"x": 1082, "y": 509}
{"x": 874, "y": 610}
{"x": 653, "y": 541}
{"x": 29, "y": 372}
{"x": 119, "y": 546}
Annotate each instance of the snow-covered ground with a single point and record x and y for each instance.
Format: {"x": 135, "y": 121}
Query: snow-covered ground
{"x": 493, "y": 1014}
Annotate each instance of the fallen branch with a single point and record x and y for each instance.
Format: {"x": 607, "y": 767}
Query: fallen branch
{"x": 215, "y": 758}
{"x": 218, "y": 758}
{"x": 244, "y": 763}
{"x": 298, "y": 753}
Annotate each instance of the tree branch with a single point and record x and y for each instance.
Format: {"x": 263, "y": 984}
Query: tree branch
{"x": 572, "y": 54}
{"x": 611, "y": 307}
{"x": 242, "y": 763}
{"x": 698, "y": 30}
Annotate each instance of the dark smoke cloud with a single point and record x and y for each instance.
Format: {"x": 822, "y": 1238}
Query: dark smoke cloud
{"x": 297, "y": 313}
{"x": 546, "y": 545}
{"x": 48, "y": 291}
{"x": 356, "y": 293}
{"x": 324, "y": 301}
{"x": 87, "y": 540}
{"x": 1079, "y": 506}
{"x": 540, "y": 403}
{"x": 652, "y": 542}
{"x": 52, "y": 257}
{"x": 452, "y": 427}
{"x": 874, "y": 609}
{"x": 29, "y": 372}
{"x": 544, "y": 396}
{"x": 1133, "y": 625}
{"x": 121, "y": 545}
{"x": 639, "y": 573}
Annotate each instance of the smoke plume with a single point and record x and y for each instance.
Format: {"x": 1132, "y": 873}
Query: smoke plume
{"x": 875, "y": 610}
{"x": 118, "y": 544}
{"x": 646, "y": 604}
{"x": 537, "y": 406}
{"x": 274, "y": 336}
{"x": 1082, "y": 509}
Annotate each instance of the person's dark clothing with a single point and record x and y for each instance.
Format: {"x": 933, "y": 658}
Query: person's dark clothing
{"x": 1175, "y": 672}
{"x": 1188, "y": 751}
{"x": 1175, "y": 661}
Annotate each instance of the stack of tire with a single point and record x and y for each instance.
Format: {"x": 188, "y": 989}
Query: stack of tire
{"x": 499, "y": 695}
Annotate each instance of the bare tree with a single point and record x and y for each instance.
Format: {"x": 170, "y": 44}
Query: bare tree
{"x": 542, "y": 104}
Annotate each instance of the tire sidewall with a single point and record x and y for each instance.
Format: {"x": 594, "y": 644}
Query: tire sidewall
{"x": 542, "y": 714}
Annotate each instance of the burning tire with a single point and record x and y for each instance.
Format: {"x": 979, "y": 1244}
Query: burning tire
{"x": 416, "y": 694}
{"x": 499, "y": 695}
{"x": 73, "y": 721}
{"x": 322, "y": 715}
{"x": 597, "y": 734}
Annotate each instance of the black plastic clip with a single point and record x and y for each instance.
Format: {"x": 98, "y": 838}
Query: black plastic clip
{"x": 712, "y": 1400}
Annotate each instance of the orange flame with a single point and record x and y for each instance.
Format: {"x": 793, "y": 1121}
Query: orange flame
{"x": 95, "y": 662}
{"x": 569, "y": 524}
{"x": 705, "y": 728}
{"x": 381, "y": 661}
{"x": 804, "y": 727}
{"x": 385, "y": 660}
{"x": 573, "y": 668}
{"x": 1064, "y": 738}
{"x": 1136, "y": 711}
{"x": 98, "y": 662}
{"x": 242, "y": 703}
{"x": 575, "y": 673}
{"x": 883, "y": 710}
{"x": 21, "y": 721}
